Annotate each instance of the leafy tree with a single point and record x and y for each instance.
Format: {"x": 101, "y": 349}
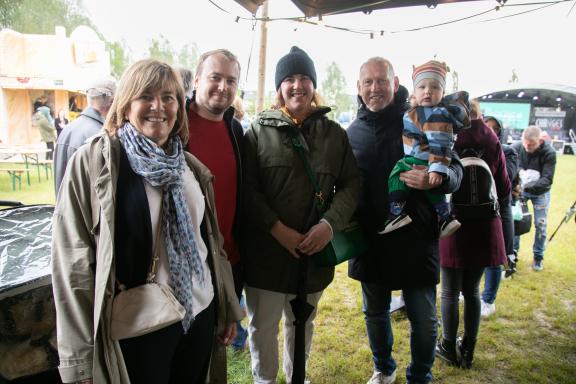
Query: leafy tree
{"x": 333, "y": 90}
{"x": 188, "y": 56}
{"x": 119, "y": 57}
{"x": 161, "y": 49}
{"x": 41, "y": 16}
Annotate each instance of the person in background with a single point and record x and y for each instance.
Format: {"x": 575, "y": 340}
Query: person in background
{"x": 537, "y": 163}
{"x": 283, "y": 222}
{"x": 479, "y": 243}
{"x": 216, "y": 140}
{"x": 493, "y": 275}
{"x": 186, "y": 76}
{"x": 100, "y": 95}
{"x": 394, "y": 261}
{"x": 46, "y": 128}
{"x": 151, "y": 199}
{"x": 60, "y": 122}
{"x": 239, "y": 113}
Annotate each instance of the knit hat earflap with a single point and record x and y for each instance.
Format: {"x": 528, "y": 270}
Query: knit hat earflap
{"x": 296, "y": 62}
{"x": 431, "y": 70}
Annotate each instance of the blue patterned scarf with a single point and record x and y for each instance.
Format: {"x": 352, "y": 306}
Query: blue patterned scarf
{"x": 165, "y": 169}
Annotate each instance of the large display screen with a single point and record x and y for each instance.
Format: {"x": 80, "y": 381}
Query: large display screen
{"x": 513, "y": 115}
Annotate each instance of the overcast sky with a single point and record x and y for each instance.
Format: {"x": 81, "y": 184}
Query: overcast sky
{"x": 539, "y": 45}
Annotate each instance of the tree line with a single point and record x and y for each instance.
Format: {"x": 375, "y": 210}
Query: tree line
{"x": 41, "y": 17}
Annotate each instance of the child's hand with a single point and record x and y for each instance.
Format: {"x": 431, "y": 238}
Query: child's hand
{"x": 434, "y": 178}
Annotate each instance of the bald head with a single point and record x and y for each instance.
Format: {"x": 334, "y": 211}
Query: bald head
{"x": 531, "y": 139}
{"x": 377, "y": 83}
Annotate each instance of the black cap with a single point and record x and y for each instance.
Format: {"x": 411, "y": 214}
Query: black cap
{"x": 297, "y": 62}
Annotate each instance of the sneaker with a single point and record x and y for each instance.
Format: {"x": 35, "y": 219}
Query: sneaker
{"x": 487, "y": 309}
{"x": 394, "y": 222}
{"x": 446, "y": 352}
{"x": 448, "y": 226}
{"x": 380, "y": 378}
{"x": 537, "y": 265}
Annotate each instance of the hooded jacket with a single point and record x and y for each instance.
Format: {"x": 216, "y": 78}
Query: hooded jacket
{"x": 278, "y": 188}
{"x": 407, "y": 257}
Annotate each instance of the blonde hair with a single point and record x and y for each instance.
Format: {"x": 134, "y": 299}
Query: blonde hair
{"x": 141, "y": 77}
{"x": 238, "y": 108}
{"x": 475, "y": 110}
{"x": 317, "y": 100}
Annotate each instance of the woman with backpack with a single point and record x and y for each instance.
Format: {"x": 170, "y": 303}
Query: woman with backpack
{"x": 479, "y": 243}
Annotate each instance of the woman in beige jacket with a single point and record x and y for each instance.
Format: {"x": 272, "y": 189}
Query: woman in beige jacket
{"x": 119, "y": 190}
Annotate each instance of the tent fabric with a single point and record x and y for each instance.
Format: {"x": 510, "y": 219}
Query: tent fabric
{"x": 312, "y": 8}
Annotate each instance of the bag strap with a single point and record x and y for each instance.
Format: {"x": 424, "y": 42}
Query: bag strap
{"x": 299, "y": 148}
{"x": 156, "y": 255}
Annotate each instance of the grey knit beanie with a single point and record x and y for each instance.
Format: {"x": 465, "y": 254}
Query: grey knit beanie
{"x": 297, "y": 62}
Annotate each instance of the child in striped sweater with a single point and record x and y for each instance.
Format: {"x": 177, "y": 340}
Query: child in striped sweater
{"x": 428, "y": 138}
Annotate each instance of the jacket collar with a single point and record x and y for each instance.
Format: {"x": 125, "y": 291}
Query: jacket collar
{"x": 275, "y": 117}
{"x": 398, "y": 105}
{"x": 93, "y": 114}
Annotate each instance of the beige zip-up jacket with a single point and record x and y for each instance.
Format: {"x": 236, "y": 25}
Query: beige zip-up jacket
{"x": 83, "y": 266}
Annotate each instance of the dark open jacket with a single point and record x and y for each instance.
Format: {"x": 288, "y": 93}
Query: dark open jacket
{"x": 542, "y": 160}
{"x": 236, "y": 136}
{"x": 407, "y": 257}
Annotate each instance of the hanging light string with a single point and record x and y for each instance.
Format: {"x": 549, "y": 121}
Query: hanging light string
{"x": 372, "y": 33}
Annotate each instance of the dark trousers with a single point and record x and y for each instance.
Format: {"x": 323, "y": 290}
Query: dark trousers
{"x": 50, "y": 146}
{"x": 168, "y": 356}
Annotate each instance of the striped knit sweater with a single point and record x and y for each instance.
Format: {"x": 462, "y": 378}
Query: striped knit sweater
{"x": 429, "y": 133}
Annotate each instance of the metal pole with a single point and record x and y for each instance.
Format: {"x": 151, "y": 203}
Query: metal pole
{"x": 262, "y": 60}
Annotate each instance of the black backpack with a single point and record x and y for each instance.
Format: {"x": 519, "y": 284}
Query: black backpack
{"x": 477, "y": 197}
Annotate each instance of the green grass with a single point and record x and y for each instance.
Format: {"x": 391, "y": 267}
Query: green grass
{"x": 38, "y": 192}
{"x": 532, "y": 338}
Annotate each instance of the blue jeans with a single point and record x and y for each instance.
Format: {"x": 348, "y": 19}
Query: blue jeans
{"x": 493, "y": 275}
{"x": 421, "y": 311}
{"x": 540, "y": 204}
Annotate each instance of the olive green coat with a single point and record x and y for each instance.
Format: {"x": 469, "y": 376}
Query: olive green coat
{"x": 278, "y": 188}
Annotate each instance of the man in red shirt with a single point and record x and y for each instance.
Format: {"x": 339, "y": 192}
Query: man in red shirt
{"x": 215, "y": 139}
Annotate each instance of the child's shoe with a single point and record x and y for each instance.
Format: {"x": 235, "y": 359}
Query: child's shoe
{"x": 448, "y": 226}
{"x": 394, "y": 222}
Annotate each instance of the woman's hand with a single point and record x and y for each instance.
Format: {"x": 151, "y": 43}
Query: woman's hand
{"x": 316, "y": 239}
{"x": 287, "y": 237}
{"x": 228, "y": 335}
{"x": 417, "y": 178}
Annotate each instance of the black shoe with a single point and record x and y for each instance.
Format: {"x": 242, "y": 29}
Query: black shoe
{"x": 448, "y": 226}
{"x": 394, "y": 222}
{"x": 465, "y": 352}
{"x": 446, "y": 351}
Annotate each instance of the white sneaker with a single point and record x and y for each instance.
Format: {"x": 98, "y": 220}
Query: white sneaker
{"x": 487, "y": 310}
{"x": 380, "y": 378}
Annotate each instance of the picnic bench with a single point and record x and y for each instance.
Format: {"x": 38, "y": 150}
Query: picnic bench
{"x": 15, "y": 175}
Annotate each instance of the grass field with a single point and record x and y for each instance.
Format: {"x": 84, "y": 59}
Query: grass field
{"x": 532, "y": 338}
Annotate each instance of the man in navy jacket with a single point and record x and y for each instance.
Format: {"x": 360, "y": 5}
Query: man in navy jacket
{"x": 406, "y": 259}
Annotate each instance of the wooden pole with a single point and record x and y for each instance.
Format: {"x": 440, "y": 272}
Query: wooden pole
{"x": 262, "y": 59}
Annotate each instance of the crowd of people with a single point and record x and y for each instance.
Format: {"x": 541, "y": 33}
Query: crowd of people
{"x": 157, "y": 182}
